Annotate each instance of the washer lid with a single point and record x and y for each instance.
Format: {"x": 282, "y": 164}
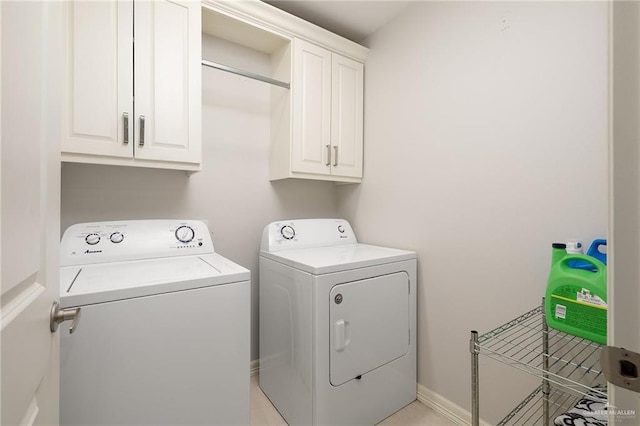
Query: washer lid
{"x": 325, "y": 260}
{"x": 89, "y": 284}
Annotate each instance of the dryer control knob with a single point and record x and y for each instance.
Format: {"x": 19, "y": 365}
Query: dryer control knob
{"x": 287, "y": 232}
{"x": 92, "y": 239}
{"x": 185, "y": 234}
{"x": 116, "y": 237}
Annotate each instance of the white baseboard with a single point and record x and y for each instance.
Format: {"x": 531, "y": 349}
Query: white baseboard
{"x": 445, "y": 408}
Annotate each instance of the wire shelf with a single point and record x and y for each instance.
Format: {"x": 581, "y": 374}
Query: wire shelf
{"x": 568, "y": 366}
{"x": 530, "y": 411}
{"x": 569, "y": 363}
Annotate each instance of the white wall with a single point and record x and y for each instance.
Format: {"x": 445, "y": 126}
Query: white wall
{"x": 232, "y": 192}
{"x": 485, "y": 141}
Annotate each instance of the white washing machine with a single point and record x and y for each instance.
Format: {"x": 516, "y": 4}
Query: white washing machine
{"x": 337, "y": 324}
{"x": 163, "y": 334}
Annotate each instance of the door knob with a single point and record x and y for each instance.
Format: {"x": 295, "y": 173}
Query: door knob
{"x": 61, "y": 315}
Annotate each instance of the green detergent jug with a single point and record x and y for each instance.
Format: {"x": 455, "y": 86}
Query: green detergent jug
{"x": 576, "y": 299}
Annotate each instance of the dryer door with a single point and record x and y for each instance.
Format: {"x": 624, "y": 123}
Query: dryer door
{"x": 369, "y": 325}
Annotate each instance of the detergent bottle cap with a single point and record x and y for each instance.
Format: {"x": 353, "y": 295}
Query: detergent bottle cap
{"x": 558, "y": 252}
{"x": 574, "y": 247}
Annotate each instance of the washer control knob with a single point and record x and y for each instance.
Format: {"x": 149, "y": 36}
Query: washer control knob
{"x": 341, "y": 229}
{"x": 116, "y": 237}
{"x": 92, "y": 239}
{"x": 185, "y": 234}
{"x": 287, "y": 232}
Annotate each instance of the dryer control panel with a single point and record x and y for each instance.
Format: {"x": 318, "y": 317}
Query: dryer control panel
{"x": 306, "y": 233}
{"x": 99, "y": 242}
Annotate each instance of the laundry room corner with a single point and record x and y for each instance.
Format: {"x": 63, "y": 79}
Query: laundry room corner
{"x": 486, "y": 141}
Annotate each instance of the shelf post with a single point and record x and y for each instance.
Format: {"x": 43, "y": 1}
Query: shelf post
{"x": 475, "y": 380}
{"x": 546, "y": 387}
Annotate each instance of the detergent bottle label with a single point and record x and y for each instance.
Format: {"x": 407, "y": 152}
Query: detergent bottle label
{"x": 585, "y": 296}
{"x": 578, "y": 308}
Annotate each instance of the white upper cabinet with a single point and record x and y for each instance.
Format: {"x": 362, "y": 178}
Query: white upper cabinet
{"x": 327, "y": 115}
{"x": 347, "y": 105}
{"x": 100, "y": 79}
{"x": 108, "y": 122}
{"x": 167, "y": 81}
{"x": 317, "y": 123}
{"x": 311, "y": 91}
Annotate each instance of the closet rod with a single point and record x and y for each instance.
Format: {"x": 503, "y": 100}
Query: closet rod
{"x": 245, "y": 73}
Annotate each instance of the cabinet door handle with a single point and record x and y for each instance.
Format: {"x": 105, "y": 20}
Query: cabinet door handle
{"x": 328, "y": 163}
{"x": 142, "y": 119}
{"x": 335, "y": 155}
{"x": 125, "y": 124}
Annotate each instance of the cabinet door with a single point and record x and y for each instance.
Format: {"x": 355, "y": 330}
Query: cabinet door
{"x": 167, "y": 80}
{"x": 100, "y": 78}
{"x": 311, "y": 91}
{"x": 346, "y": 116}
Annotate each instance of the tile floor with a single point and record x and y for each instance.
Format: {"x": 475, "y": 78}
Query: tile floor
{"x": 416, "y": 413}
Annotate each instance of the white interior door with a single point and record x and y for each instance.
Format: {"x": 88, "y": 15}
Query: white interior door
{"x": 624, "y": 204}
{"x": 29, "y": 199}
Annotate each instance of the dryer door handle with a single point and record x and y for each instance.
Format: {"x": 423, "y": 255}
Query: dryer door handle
{"x": 340, "y": 334}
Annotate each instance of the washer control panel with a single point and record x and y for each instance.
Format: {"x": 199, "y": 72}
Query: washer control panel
{"x": 305, "y": 233}
{"x": 99, "y": 242}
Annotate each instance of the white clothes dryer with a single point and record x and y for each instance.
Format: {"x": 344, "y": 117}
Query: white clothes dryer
{"x": 337, "y": 324}
{"x": 163, "y": 334}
